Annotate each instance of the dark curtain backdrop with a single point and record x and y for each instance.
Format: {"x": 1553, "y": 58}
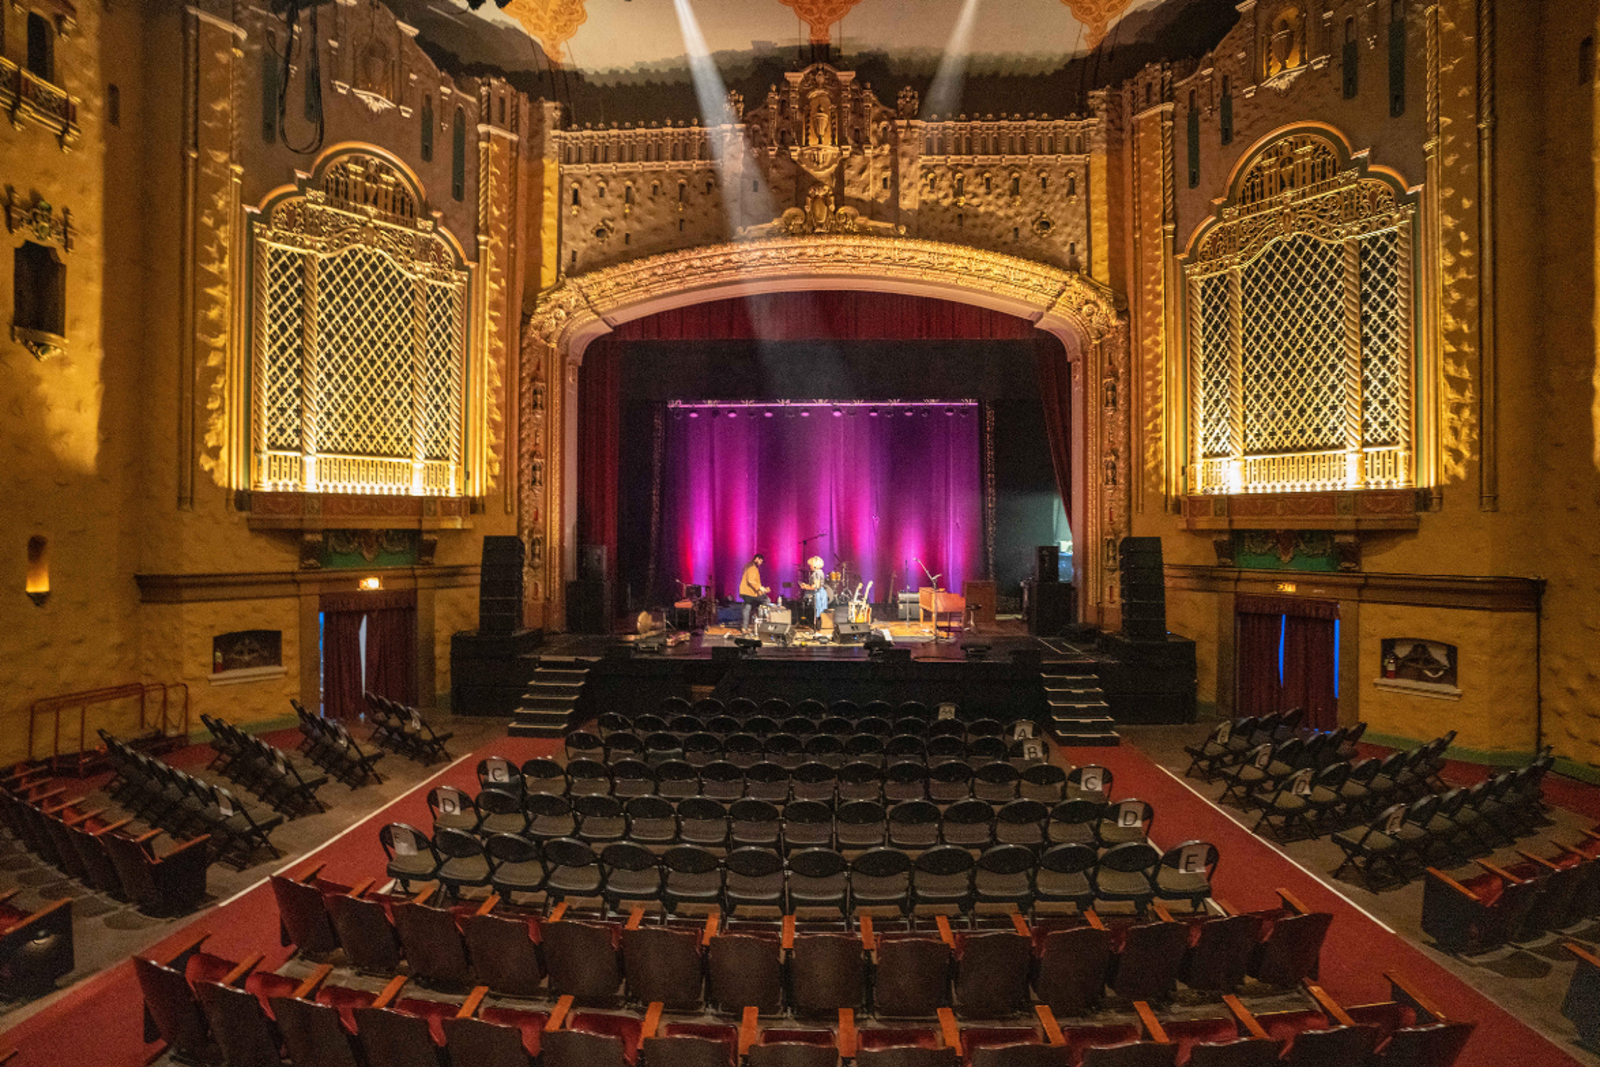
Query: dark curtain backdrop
{"x": 1055, "y": 392}
{"x": 599, "y": 445}
{"x": 1308, "y": 669}
{"x": 885, "y": 490}
{"x": 392, "y": 654}
{"x": 1257, "y": 642}
{"x": 341, "y": 665}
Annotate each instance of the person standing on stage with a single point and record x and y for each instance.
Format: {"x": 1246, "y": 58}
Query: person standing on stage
{"x": 751, "y": 591}
{"x": 817, "y": 586}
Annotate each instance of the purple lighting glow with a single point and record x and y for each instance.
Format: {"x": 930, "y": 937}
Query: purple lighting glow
{"x": 884, "y": 493}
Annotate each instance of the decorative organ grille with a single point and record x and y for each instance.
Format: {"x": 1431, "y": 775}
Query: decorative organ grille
{"x": 1301, "y": 352}
{"x": 359, "y": 359}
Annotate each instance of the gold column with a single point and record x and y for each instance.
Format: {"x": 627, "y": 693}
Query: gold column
{"x": 1488, "y": 366}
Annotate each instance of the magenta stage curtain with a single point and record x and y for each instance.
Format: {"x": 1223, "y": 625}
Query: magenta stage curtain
{"x": 885, "y": 490}
{"x": 1308, "y": 669}
{"x": 392, "y": 654}
{"x": 341, "y": 664}
{"x": 1257, "y": 691}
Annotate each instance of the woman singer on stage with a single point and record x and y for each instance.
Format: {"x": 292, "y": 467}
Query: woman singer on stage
{"x": 817, "y": 586}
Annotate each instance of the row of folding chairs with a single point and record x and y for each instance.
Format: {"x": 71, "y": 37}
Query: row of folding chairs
{"x": 1232, "y": 738}
{"x": 184, "y": 805}
{"x": 1515, "y": 903}
{"x": 403, "y": 730}
{"x": 905, "y": 779}
{"x": 1406, "y": 837}
{"x": 328, "y": 743}
{"x": 262, "y": 768}
{"x": 763, "y": 874}
{"x": 207, "y": 1007}
{"x": 102, "y": 854}
{"x": 1069, "y": 960}
{"x": 656, "y": 822}
{"x": 613, "y": 726}
{"x": 790, "y": 750}
{"x": 779, "y": 707}
{"x": 1268, "y": 763}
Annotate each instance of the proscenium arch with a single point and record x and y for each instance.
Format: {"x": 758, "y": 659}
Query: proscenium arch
{"x": 1082, "y": 314}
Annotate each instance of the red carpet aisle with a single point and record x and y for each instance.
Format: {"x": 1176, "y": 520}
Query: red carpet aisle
{"x": 100, "y": 1022}
{"x": 1358, "y": 949}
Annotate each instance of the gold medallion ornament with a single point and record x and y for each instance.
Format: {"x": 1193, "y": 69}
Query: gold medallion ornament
{"x": 550, "y": 22}
{"x": 820, "y": 15}
{"x": 1096, "y": 16}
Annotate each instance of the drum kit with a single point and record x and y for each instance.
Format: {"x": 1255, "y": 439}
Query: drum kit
{"x": 844, "y": 602}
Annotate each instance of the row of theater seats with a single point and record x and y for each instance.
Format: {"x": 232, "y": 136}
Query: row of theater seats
{"x": 403, "y": 730}
{"x": 1515, "y": 903}
{"x": 949, "y": 876}
{"x": 894, "y": 965}
{"x": 657, "y": 822}
{"x": 1458, "y": 823}
{"x": 830, "y": 739}
{"x": 944, "y": 781}
{"x": 779, "y": 707}
{"x": 100, "y": 851}
{"x": 185, "y": 806}
{"x": 211, "y": 1009}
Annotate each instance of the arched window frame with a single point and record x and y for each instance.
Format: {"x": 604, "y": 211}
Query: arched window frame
{"x": 352, "y": 393}
{"x": 1301, "y": 197}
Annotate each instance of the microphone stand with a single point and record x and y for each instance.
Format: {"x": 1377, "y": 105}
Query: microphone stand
{"x": 933, "y": 580}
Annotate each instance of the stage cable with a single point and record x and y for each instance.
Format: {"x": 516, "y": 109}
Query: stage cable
{"x": 291, "y": 19}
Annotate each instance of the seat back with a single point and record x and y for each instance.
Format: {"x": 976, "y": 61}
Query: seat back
{"x": 504, "y": 954}
{"x": 992, "y": 973}
{"x": 827, "y": 972}
{"x": 171, "y": 1012}
{"x": 913, "y": 977}
{"x": 1072, "y": 968}
{"x": 663, "y": 965}
{"x": 745, "y": 970}
{"x": 583, "y": 960}
{"x": 434, "y": 948}
{"x": 313, "y": 1034}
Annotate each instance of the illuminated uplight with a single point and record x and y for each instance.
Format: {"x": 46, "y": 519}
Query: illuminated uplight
{"x": 371, "y": 584}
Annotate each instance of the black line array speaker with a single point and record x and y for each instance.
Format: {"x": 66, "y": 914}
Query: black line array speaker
{"x": 586, "y": 606}
{"x": 592, "y": 562}
{"x": 1047, "y": 563}
{"x": 500, "y": 585}
{"x": 1144, "y": 589}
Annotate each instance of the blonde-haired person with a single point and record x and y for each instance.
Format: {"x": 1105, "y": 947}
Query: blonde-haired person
{"x": 816, "y": 585}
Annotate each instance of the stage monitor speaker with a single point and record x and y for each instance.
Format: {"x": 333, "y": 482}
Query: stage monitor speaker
{"x": 776, "y": 630}
{"x": 592, "y": 562}
{"x": 845, "y": 632}
{"x": 1144, "y": 594}
{"x": 1047, "y": 563}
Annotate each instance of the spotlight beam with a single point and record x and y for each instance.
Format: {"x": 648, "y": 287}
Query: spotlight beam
{"x": 944, "y": 95}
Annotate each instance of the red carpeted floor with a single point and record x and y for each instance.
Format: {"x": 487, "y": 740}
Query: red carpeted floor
{"x": 100, "y": 1021}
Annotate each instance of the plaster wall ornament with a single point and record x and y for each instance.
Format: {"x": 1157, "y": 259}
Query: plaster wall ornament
{"x": 820, "y": 15}
{"x": 1096, "y": 16}
{"x": 550, "y": 22}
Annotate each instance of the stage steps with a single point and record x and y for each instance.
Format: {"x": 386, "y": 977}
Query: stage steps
{"x": 1079, "y": 714}
{"x": 553, "y": 702}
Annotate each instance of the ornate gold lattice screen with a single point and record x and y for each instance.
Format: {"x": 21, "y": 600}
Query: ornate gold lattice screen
{"x": 359, "y": 322}
{"x": 1300, "y": 329}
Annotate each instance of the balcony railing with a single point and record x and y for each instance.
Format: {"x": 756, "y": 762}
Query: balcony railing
{"x": 290, "y": 472}
{"x": 26, "y": 97}
{"x": 1304, "y": 472}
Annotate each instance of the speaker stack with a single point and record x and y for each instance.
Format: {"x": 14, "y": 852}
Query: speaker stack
{"x": 500, "y": 585}
{"x": 1144, "y": 589}
{"x": 847, "y": 632}
{"x": 1047, "y": 563}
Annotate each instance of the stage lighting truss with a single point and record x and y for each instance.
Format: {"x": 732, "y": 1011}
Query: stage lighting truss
{"x": 1300, "y": 329}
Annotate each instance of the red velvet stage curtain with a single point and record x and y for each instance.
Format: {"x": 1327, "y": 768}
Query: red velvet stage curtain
{"x": 823, "y": 314}
{"x": 1308, "y": 669}
{"x": 1055, "y": 392}
{"x": 599, "y": 434}
{"x": 1256, "y": 688}
{"x": 341, "y": 664}
{"x": 392, "y": 654}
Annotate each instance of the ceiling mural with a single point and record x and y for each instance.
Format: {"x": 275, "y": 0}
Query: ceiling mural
{"x": 625, "y": 60}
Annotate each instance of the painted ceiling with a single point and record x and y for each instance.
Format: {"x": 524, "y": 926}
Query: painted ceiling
{"x": 627, "y": 60}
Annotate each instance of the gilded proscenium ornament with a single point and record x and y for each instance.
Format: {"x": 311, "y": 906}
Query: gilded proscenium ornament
{"x": 820, "y": 15}
{"x": 1096, "y": 16}
{"x": 550, "y": 22}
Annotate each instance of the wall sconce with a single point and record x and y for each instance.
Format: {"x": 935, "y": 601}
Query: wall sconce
{"x": 38, "y": 582}
{"x": 371, "y": 584}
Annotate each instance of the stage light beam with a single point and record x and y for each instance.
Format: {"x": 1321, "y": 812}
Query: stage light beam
{"x": 944, "y": 95}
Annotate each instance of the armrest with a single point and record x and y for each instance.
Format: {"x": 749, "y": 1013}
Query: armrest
{"x": 1537, "y": 861}
{"x": 1020, "y": 924}
{"x": 558, "y": 1017}
{"x": 1499, "y": 872}
{"x": 1052, "y": 1029}
{"x": 1246, "y": 1020}
{"x": 948, "y": 1027}
{"x": 57, "y": 791}
{"x": 426, "y": 893}
{"x": 1152, "y": 1025}
{"x": 313, "y": 980}
{"x": 944, "y": 930}
{"x": 652, "y": 1020}
{"x": 747, "y": 1030}
{"x": 1583, "y": 954}
{"x": 74, "y": 820}
{"x": 360, "y": 888}
{"x": 186, "y": 846}
{"x": 47, "y": 910}
{"x": 243, "y": 968}
{"x": 119, "y": 824}
{"x": 9, "y": 893}
{"x": 1329, "y": 1005}
{"x": 1292, "y": 902}
{"x": 1405, "y": 994}
{"x": 1094, "y": 920}
{"x": 1161, "y": 913}
{"x": 488, "y": 905}
{"x": 191, "y": 944}
{"x": 556, "y": 913}
{"x": 786, "y": 941}
{"x": 309, "y": 873}
{"x": 391, "y": 991}
{"x": 51, "y": 809}
{"x": 1445, "y": 879}
{"x": 847, "y": 1033}
{"x": 148, "y": 835}
{"x": 711, "y": 927}
{"x": 469, "y": 1007}
{"x": 635, "y": 918}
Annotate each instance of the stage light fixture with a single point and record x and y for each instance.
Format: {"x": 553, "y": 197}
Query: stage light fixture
{"x": 805, "y": 414}
{"x": 768, "y": 414}
{"x": 949, "y": 411}
{"x": 694, "y": 414}
{"x": 873, "y": 412}
{"x": 837, "y": 413}
{"x": 733, "y": 414}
